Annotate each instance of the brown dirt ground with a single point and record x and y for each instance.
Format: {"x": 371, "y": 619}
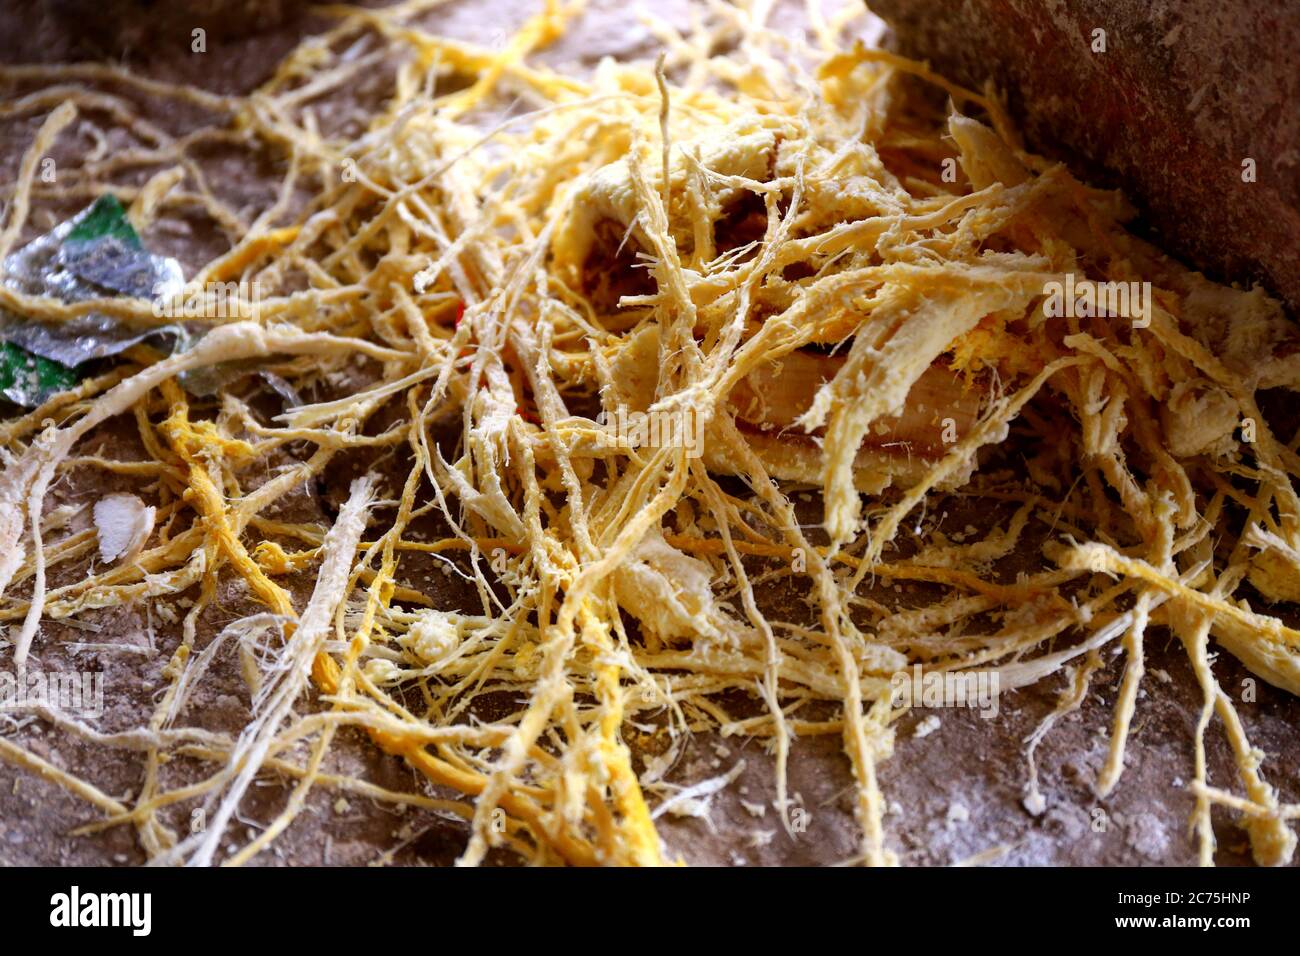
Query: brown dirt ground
{"x": 953, "y": 793}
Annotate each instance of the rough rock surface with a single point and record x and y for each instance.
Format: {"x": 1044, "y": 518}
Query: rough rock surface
{"x": 1185, "y": 92}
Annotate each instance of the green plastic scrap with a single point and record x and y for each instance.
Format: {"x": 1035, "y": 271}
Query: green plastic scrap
{"x": 31, "y": 380}
{"x": 96, "y": 254}
{"x": 105, "y": 218}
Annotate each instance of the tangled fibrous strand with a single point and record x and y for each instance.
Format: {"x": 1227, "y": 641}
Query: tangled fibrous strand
{"x": 829, "y": 263}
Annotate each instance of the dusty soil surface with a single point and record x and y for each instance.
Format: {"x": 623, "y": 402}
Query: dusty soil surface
{"x": 954, "y": 790}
